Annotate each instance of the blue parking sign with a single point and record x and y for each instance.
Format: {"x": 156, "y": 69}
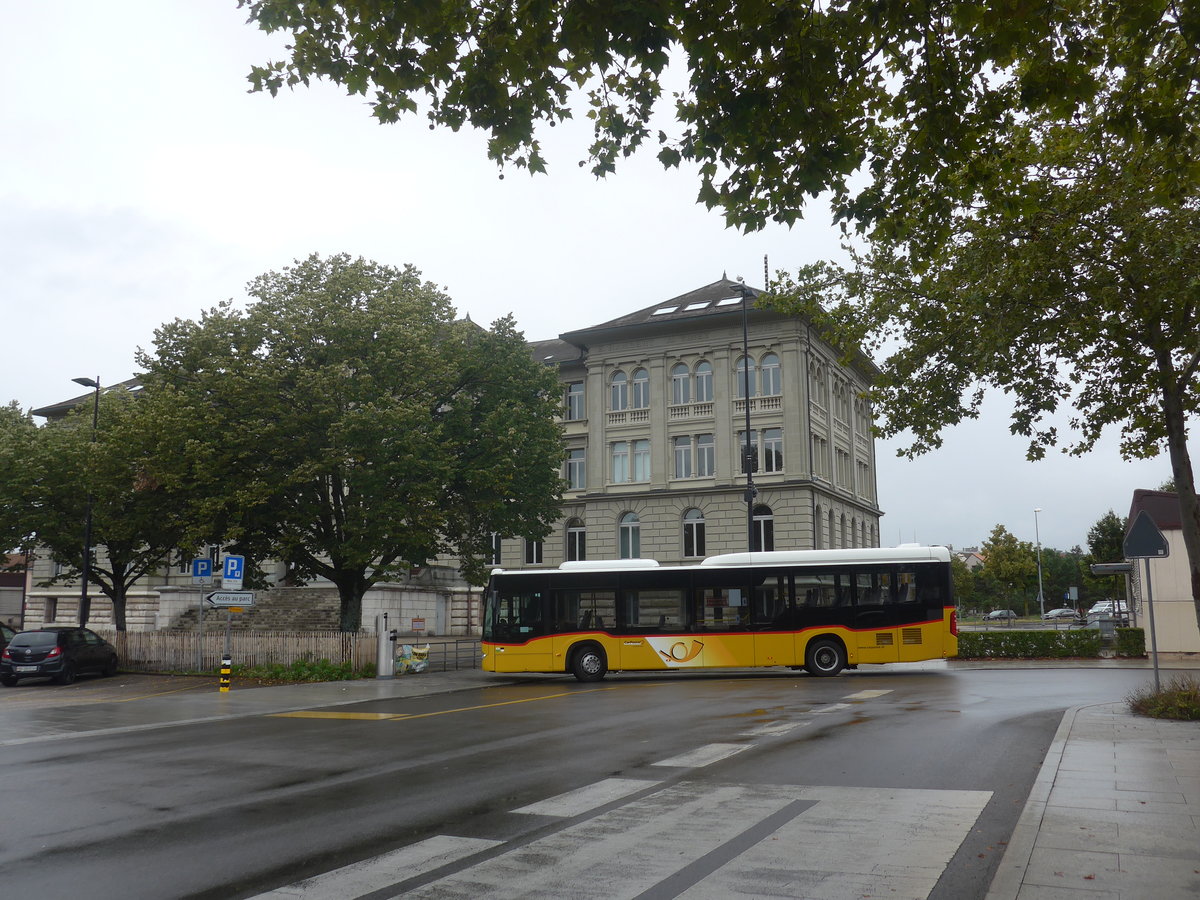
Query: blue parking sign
{"x": 202, "y": 570}
{"x": 235, "y": 569}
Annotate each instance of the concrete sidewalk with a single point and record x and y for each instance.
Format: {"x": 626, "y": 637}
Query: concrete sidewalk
{"x": 1114, "y": 813}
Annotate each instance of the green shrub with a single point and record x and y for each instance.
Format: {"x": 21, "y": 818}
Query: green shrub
{"x": 303, "y": 670}
{"x": 1178, "y": 699}
{"x": 1131, "y": 642}
{"x": 1084, "y": 642}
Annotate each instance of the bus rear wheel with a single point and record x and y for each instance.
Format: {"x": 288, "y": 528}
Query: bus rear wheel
{"x": 589, "y": 664}
{"x": 824, "y": 658}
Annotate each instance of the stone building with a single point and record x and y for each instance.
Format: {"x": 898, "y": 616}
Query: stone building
{"x": 655, "y": 412}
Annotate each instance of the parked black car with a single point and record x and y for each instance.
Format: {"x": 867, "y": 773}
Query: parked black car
{"x": 57, "y": 651}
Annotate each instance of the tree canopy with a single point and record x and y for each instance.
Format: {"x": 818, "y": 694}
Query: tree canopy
{"x": 137, "y": 523}
{"x": 780, "y": 101}
{"x": 347, "y": 425}
{"x": 17, "y": 432}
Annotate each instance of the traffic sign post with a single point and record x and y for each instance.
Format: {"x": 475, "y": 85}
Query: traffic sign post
{"x": 231, "y": 602}
{"x": 1145, "y": 541}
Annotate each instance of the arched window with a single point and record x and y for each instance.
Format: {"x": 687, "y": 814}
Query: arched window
{"x": 832, "y": 534}
{"x": 681, "y": 385}
{"x": 704, "y": 382}
{"x": 771, "y": 375}
{"x": 817, "y": 528}
{"x": 619, "y": 394}
{"x": 744, "y": 377}
{"x": 576, "y": 540}
{"x": 843, "y": 523}
{"x": 854, "y": 542}
{"x": 764, "y": 529}
{"x": 693, "y": 533}
{"x": 640, "y": 396}
{"x": 629, "y": 537}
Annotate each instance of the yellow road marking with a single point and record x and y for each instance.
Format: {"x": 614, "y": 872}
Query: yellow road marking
{"x": 317, "y": 714}
{"x": 303, "y": 714}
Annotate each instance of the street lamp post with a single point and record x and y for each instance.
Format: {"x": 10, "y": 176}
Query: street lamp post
{"x": 84, "y": 602}
{"x": 1038, "y": 535}
{"x": 747, "y": 451}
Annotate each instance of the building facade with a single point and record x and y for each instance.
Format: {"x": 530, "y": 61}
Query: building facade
{"x": 655, "y": 424}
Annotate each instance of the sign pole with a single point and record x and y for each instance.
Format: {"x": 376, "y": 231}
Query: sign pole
{"x": 200, "y": 634}
{"x": 227, "y": 659}
{"x": 1153, "y": 634}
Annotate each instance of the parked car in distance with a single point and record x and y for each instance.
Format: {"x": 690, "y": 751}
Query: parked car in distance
{"x": 56, "y": 651}
{"x": 1106, "y": 609}
{"x": 1062, "y": 613}
{"x": 1001, "y": 614}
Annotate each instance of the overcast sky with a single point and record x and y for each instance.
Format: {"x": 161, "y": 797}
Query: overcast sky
{"x": 142, "y": 183}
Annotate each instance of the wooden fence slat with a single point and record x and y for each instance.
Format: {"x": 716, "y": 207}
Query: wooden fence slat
{"x": 176, "y": 651}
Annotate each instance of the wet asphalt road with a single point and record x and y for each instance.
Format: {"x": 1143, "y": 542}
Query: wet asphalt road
{"x": 236, "y": 806}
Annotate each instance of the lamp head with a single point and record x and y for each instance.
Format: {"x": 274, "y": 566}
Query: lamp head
{"x": 87, "y": 382}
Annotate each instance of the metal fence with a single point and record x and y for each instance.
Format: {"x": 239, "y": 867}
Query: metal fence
{"x": 179, "y": 651}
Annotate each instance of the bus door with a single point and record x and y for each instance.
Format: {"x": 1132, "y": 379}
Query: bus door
{"x": 875, "y": 616}
{"x": 772, "y": 620}
{"x": 652, "y": 627}
{"x": 519, "y": 629}
{"x": 720, "y": 618}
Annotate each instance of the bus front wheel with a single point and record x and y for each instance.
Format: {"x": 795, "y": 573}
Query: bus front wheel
{"x": 589, "y": 664}
{"x": 824, "y": 658}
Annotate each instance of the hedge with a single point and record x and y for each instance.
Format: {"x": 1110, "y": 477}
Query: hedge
{"x": 1074, "y": 644}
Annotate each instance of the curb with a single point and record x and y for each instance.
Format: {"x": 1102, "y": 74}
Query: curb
{"x": 1010, "y": 875}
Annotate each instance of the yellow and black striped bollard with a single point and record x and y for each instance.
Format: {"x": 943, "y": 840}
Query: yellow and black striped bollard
{"x": 226, "y": 666}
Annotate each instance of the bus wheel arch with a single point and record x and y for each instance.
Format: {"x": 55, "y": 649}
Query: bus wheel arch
{"x": 588, "y": 662}
{"x": 825, "y": 657}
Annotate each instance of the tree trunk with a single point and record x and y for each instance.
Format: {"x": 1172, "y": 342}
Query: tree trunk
{"x": 351, "y": 587}
{"x": 116, "y": 595}
{"x": 1185, "y": 487}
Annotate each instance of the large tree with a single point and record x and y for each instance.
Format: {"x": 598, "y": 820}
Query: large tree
{"x": 1070, "y": 282}
{"x": 346, "y": 424}
{"x": 1010, "y": 563}
{"x": 137, "y": 524}
{"x": 17, "y": 433}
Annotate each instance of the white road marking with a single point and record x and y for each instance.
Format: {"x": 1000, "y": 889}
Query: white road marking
{"x": 832, "y": 707}
{"x": 702, "y": 756}
{"x": 866, "y": 695}
{"x": 585, "y": 799}
{"x": 370, "y": 875}
{"x": 774, "y": 729}
{"x": 700, "y": 840}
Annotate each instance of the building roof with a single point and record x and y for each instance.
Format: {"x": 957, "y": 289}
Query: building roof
{"x": 1163, "y": 507}
{"x": 554, "y": 351}
{"x": 60, "y": 409}
{"x": 721, "y": 298}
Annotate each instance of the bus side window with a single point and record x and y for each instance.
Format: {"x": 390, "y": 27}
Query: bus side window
{"x": 566, "y": 611}
{"x": 818, "y": 591}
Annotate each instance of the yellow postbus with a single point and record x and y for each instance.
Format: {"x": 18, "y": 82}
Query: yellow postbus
{"x": 820, "y": 610}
